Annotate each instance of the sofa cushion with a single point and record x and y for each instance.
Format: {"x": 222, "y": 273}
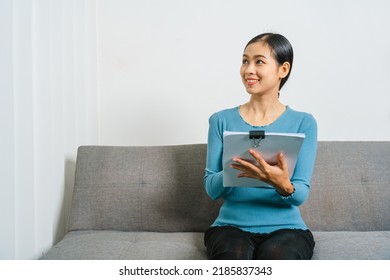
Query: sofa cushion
{"x": 116, "y": 245}
{"x": 352, "y": 245}
{"x": 141, "y": 189}
{"x": 350, "y": 187}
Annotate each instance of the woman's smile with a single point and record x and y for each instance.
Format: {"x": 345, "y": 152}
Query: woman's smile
{"x": 252, "y": 82}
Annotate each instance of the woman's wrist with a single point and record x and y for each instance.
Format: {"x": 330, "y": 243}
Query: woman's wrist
{"x": 286, "y": 190}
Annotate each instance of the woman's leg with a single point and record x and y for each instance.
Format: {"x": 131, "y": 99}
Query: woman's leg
{"x": 287, "y": 244}
{"x": 228, "y": 243}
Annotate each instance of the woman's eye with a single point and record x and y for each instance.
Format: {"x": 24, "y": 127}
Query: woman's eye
{"x": 245, "y": 61}
{"x": 259, "y": 62}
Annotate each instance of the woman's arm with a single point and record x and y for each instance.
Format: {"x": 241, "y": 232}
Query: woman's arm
{"x": 213, "y": 179}
{"x": 305, "y": 163}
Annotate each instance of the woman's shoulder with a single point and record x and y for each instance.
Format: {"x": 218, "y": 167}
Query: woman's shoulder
{"x": 306, "y": 121}
{"x": 301, "y": 115}
{"x": 224, "y": 113}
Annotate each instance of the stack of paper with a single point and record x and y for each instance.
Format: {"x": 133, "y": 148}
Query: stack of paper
{"x": 237, "y": 144}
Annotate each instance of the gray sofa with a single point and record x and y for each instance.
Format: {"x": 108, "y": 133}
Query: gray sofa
{"x": 150, "y": 203}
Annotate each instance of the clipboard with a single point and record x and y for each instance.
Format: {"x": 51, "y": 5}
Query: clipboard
{"x": 268, "y": 144}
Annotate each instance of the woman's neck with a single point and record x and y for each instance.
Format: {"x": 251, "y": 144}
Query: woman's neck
{"x": 262, "y": 111}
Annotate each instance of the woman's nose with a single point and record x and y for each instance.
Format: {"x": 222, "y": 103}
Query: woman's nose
{"x": 250, "y": 69}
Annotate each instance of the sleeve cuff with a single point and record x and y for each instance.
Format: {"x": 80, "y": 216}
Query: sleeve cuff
{"x": 286, "y": 196}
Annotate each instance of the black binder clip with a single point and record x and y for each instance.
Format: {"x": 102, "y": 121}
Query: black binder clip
{"x": 256, "y": 136}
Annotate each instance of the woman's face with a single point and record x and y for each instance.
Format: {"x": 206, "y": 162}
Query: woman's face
{"x": 260, "y": 72}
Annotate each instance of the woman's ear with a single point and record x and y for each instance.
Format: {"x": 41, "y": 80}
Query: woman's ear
{"x": 284, "y": 69}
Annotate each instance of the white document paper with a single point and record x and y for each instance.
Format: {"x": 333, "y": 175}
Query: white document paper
{"x": 237, "y": 145}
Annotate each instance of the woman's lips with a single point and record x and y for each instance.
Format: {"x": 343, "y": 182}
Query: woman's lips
{"x": 251, "y": 82}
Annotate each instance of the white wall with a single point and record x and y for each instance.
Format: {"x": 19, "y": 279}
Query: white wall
{"x": 165, "y": 66}
{"x": 48, "y": 107}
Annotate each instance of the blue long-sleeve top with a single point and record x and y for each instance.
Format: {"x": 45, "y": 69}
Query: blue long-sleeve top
{"x": 260, "y": 209}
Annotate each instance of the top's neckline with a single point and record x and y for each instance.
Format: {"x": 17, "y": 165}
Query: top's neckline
{"x": 259, "y": 126}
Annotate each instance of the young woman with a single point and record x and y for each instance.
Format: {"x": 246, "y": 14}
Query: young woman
{"x": 261, "y": 222}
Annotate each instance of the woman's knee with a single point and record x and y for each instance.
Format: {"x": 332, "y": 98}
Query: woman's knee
{"x": 287, "y": 245}
{"x": 229, "y": 244}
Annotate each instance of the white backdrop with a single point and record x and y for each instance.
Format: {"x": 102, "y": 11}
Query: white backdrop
{"x": 48, "y": 107}
{"x": 165, "y": 66}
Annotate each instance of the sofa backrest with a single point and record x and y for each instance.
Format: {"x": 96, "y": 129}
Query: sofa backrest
{"x": 141, "y": 189}
{"x": 160, "y": 188}
{"x": 350, "y": 188}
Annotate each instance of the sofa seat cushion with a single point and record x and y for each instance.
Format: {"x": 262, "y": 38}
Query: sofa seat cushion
{"x": 119, "y": 245}
{"x": 352, "y": 245}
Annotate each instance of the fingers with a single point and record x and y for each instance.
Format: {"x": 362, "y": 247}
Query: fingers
{"x": 282, "y": 162}
{"x": 262, "y": 170}
{"x": 249, "y": 169}
{"x": 242, "y": 165}
{"x": 246, "y": 166}
{"x": 258, "y": 157}
{"x": 273, "y": 174}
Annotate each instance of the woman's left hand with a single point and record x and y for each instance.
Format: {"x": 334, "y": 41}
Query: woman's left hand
{"x": 275, "y": 175}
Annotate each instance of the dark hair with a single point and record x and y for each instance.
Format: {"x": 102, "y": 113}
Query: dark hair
{"x": 280, "y": 47}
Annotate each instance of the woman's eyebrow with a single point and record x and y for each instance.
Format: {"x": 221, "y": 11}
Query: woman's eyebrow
{"x": 256, "y": 56}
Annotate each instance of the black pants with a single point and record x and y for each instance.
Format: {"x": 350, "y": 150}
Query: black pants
{"x": 231, "y": 243}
